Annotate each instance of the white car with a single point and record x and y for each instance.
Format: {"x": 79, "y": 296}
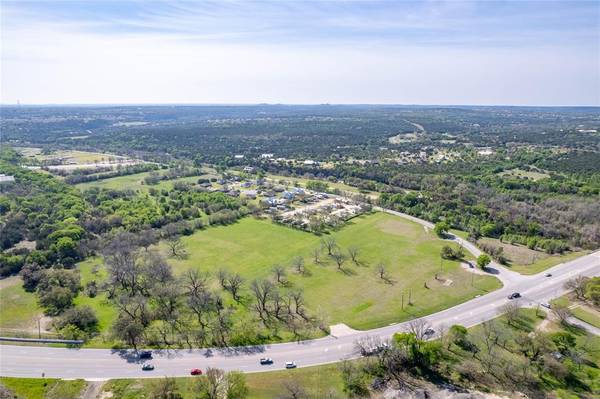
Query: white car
{"x": 546, "y": 305}
{"x": 290, "y": 365}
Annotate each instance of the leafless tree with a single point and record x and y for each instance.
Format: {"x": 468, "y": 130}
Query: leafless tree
{"x": 234, "y": 284}
{"x": 263, "y": 292}
{"x": 382, "y": 272}
{"x": 353, "y": 252}
{"x": 418, "y": 328}
{"x": 147, "y": 238}
{"x": 222, "y": 276}
{"x": 577, "y": 285}
{"x": 194, "y": 281}
{"x": 316, "y": 254}
{"x": 292, "y": 389}
{"x": 368, "y": 345}
{"x": 512, "y": 311}
{"x": 329, "y": 244}
{"x": 279, "y": 272}
{"x": 489, "y": 335}
{"x": 176, "y": 247}
{"x": 395, "y": 361}
{"x": 339, "y": 259}
{"x": 296, "y": 303}
{"x": 211, "y": 386}
{"x": 562, "y": 312}
{"x": 298, "y": 264}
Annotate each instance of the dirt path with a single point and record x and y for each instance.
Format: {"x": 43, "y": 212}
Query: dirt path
{"x": 418, "y": 126}
{"x": 92, "y": 390}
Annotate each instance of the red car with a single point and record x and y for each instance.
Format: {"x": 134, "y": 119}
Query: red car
{"x": 196, "y": 372}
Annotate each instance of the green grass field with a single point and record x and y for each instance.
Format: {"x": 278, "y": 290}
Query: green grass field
{"x": 105, "y": 311}
{"x": 19, "y": 310}
{"x": 136, "y": 182}
{"x": 356, "y": 296}
{"x": 43, "y": 388}
{"x": 133, "y": 182}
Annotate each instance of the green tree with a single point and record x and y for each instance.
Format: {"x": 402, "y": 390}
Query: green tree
{"x": 441, "y": 228}
{"x": 592, "y": 290}
{"x": 483, "y": 260}
{"x": 447, "y": 252}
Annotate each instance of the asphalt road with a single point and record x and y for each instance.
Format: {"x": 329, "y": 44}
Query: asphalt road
{"x": 29, "y": 361}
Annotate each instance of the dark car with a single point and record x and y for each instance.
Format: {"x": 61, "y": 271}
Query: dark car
{"x": 266, "y": 360}
{"x": 145, "y": 355}
{"x": 548, "y": 274}
{"x": 196, "y": 372}
{"x": 148, "y": 367}
{"x": 514, "y": 295}
{"x": 429, "y": 332}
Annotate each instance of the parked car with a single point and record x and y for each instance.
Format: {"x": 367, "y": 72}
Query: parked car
{"x": 145, "y": 355}
{"x": 290, "y": 365}
{"x": 196, "y": 372}
{"x": 514, "y": 295}
{"x": 429, "y": 332}
{"x": 546, "y": 305}
{"x": 266, "y": 360}
{"x": 147, "y": 367}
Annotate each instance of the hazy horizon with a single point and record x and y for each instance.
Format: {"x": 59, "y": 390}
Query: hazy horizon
{"x": 481, "y": 53}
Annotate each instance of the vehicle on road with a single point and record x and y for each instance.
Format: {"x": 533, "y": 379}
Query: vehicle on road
{"x": 196, "y": 372}
{"x": 546, "y": 305}
{"x": 548, "y": 274}
{"x": 290, "y": 365}
{"x": 266, "y": 360}
{"x": 428, "y": 332}
{"x": 147, "y": 367}
{"x": 373, "y": 350}
{"x": 145, "y": 355}
{"x": 514, "y": 295}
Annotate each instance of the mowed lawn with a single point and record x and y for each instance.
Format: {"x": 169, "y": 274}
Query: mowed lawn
{"x": 355, "y": 296}
{"x": 132, "y": 182}
{"x": 19, "y": 310}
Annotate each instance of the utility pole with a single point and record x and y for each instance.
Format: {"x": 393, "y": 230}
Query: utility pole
{"x": 39, "y": 328}
{"x": 402, "y": 306}
{"x": 410, "y": 296}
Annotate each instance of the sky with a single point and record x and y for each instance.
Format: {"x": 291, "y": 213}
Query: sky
{"x": 309, "y": 52}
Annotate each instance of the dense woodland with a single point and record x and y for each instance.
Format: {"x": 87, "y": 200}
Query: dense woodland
{"x": 538, "y": 186}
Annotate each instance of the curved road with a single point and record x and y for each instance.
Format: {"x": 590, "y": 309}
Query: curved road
{"x": 30, "y": 361}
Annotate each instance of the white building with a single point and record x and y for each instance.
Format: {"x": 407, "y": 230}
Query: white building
{"x": 5, "y": 179}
